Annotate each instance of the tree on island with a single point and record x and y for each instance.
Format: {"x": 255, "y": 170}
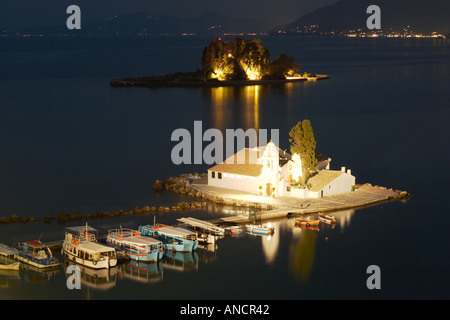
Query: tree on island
{"x": 241, "y": 59}
{"x": 304, "y": 144}
{"x": 282, "y": 66}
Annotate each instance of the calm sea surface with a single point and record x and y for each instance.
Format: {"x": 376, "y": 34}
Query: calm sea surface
{"x": 69, "y": 142}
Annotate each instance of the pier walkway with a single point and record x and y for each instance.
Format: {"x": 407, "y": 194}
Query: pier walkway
{"x": 280, "y": 207}
{"x": 364, "y": 195}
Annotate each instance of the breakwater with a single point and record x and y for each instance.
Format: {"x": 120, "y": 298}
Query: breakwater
{"x": 179, "y": 186}
{"x": 195, "y": 185}
{"x": 78, "y": 216}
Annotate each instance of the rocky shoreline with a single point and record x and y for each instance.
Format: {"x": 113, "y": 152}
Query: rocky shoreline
{"x": 78, "y": 216}
{"x": 179, "y": 187}
{"x": 182, "y": 184}
{"x": 151, "y": 82}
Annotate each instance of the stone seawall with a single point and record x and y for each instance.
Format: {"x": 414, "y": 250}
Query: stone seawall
{"x": 190, "y": 184}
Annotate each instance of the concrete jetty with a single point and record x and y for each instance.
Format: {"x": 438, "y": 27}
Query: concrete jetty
{"x": 266, "y": 208}
{"x": 364, "y": 195}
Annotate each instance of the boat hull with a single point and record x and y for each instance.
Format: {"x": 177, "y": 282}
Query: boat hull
{"x": 260, "y": 230}
{"x": 170, "y": 242}
{"x": 148, "y": 257}
{"x": 327, "y": 219}
{"x": 38, "y": 263}
{"x": 307, "y": 223}
{"x": 12, "y": 266}
{"x": 184, "y": 246}
{"x": 101, "y": 264}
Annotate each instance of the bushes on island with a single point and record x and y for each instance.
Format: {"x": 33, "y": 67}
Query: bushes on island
{"x": 241, "y": 59}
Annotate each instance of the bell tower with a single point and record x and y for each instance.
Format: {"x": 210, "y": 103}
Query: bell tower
{"x": 297, "y": 170}
{"x": 271, "y": 167}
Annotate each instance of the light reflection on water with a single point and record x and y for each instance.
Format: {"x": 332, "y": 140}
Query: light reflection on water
{"x": 300, "y": 261}
{"x": 244, "y": 107}
{"x": 235, "y": 107}
{"x": 368, "y": 114}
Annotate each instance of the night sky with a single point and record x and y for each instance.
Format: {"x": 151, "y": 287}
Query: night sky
{"x": 30, "y": 13}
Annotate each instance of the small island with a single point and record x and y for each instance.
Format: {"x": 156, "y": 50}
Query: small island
{"x": 229, "y": 63}
{"x": 278, "y": 183}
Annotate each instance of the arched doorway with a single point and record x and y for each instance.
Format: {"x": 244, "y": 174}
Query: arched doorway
{"x": 269, "y": 189}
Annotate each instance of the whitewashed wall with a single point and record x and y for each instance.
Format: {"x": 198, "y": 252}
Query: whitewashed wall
{"x": 341, "y": 184}
{"x": 235, "y": 182}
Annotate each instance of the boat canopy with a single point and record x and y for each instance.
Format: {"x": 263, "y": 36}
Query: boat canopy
{"x": 94, "y": 247}
{"x": 139, "y": 240}
{"x": 202, "y": 225}
{"x": 34, "y": 244}
{"x": 7, "y": 251}
{"x": 175, "y": 231}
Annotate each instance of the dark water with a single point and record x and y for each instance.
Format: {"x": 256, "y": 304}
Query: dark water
{"x": 71, "y": 143}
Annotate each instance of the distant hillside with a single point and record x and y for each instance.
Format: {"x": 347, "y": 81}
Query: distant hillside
{"x": 422, "y": 16}
{"x": 147, "y": 24}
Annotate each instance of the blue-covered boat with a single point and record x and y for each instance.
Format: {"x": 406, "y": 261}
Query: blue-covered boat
{"x": 136, "y": 246}
{"x": 174, "y": 238}
{"x": 260, "y": 229}
{"x": 37, "y": 254}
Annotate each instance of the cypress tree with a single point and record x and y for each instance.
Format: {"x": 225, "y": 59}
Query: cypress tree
{"x": 304, "y": 144}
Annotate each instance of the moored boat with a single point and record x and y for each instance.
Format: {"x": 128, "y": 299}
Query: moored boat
{"x": 325, "y": 218}
{"x": 36, "y": 254}
{"x": 207, "y": 238}
{"x": 233, "y": 230}
{"x": 260, "y": 229}
{"x": 136, "y": 246}
{"x": 174, "y": 238}
{"x": 306, "y": 222}
{"x": 81, "y": 246}
{"x": 314, "y": 228}
{"x": 7, "y": 258}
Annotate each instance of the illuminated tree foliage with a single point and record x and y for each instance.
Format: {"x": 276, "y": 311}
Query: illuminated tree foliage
{"x": 304, "y": 144}
{"x": 282, "y": 66}
{"x": 241, "y": 59}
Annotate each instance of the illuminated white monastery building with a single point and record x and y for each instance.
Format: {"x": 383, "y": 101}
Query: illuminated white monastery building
{"x": 270, "y": 171}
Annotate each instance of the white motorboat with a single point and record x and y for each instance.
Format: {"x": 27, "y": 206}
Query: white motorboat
{"x": 81, "y": 246}
{"x": 325, "y": 218}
